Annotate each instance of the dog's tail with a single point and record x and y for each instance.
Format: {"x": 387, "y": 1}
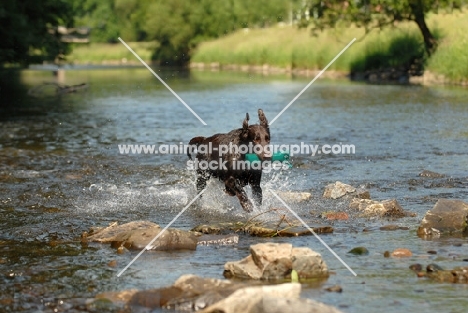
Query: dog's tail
{"x": 193, "y": 143}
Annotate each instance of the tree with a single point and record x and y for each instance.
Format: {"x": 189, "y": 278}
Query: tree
{"x": 376, "y": 14}
{"x": 179, "y": 25}
{"x": 29, "y": 27}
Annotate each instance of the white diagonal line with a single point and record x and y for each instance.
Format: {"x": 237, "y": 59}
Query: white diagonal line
{"x": 162, "y": 81}
{"x": 312, "y": 231}
{"x": 148, "y": 246}
{"x": 313, "y": 80}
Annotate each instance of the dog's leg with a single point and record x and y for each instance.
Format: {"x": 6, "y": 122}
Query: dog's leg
{"x": 254, "y": 182}
{"x": 232, "y": 185}
{"x": 202, "y": 177}
{"x": 257, "y": 194}
{"x": 229, "y": 191}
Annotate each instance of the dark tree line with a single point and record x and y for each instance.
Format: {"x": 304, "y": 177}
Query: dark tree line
{"x": 28, "y": 30}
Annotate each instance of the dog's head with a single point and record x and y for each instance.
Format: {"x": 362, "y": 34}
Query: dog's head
{"x": 258, "y": 135}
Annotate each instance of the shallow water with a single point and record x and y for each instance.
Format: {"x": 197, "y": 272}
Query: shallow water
{"x": 61, "y": 173}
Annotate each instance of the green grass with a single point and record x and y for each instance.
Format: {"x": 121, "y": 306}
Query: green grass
{"x": 282, "y": 47}
{"x": 297, "y": 48}
{"x": 451, "y": 57}
{"x": 98, "y": 53}
{"x": 391, "y": 47}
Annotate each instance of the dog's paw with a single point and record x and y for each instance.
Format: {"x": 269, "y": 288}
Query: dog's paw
{"x": 247, "y": 206}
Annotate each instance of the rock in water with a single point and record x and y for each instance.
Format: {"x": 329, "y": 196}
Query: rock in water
{"x": 272, "y": 299}
{"x": 273, "y": 261}
{"x": 447, "y": 217}
{"x": 294, "y": 196}
{"x": 430, "y": 174}
{"x": 337, "y": 190}
{"x": 136, "y": 235}
{"x": 359, "y": 251}
{"x": 388, "y": 208}
{"x": 401, "y": 253}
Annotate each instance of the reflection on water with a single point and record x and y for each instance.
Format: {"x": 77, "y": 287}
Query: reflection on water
{"x": 61, "y": 173}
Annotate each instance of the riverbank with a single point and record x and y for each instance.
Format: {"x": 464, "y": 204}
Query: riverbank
{"x": 291, "y": 50}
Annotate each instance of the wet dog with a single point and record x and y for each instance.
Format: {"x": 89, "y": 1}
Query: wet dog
{"x": 227, "y": 165}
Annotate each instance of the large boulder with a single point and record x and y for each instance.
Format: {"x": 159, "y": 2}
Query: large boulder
{"x": 272, "y": 299}
{"x": 274, "y": 261}
{"x": 447, "y": 217}
{"x": 138, "y": 234}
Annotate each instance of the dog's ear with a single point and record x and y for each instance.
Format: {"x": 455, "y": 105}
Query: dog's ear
{"x": 262, "y": 118}
{"x": 245, "y": 126}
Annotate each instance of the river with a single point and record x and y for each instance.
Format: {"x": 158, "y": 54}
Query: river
{"x": 61, "y": 172}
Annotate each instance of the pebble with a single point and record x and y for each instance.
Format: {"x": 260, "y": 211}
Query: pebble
{"x": 432, "y": 252}
{"x": 359, "y": 251}
{"x": 401, "y": 253}
{"x": 335, "y": 288}
{"x": 341, "y": 216}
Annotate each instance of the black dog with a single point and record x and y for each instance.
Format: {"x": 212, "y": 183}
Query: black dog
{"x": 228, "y": 169}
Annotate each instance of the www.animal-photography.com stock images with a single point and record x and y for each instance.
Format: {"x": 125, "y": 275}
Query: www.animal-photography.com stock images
{"x": 234, "y": 156}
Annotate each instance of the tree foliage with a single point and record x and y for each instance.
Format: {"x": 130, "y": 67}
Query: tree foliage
{"x": 375, "y": 14}
{"x": 177, "y": 25}
{"x": 29, "y": 27}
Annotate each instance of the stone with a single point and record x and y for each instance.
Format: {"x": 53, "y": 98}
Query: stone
{"x": 220, "y": 240}
{"x": 207, "y": 229}
{"x": 335, "y": 288}
{"x": 341, "y": 216}
{"x": 138, "y": 234}
{"x": 307, "y": 263}
{"x": 447, "y": 217}
{"x": 359, "y": 251}
{"x": 401, "y": 253}
{"x": 273, "y": 261}
{"x": 362, "y": 193}
{"x": 337, "y": 190}
{"x": 292, "y": 231}
{"x": 294, "y": 196}
{"x": 386, "y": 208}
{"x": 430, "y": 174}
{"x": 272, "y": 299}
